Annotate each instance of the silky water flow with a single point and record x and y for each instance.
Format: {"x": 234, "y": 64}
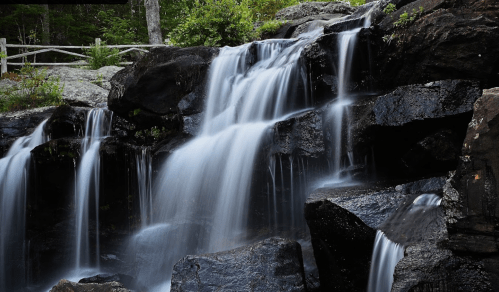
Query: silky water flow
{"x": 202, "y": 190}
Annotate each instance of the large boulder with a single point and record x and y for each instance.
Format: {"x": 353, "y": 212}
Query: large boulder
{"x": 313, "y": 8}
{"x": 153, "y": 86}
{"x": 471, "y": 200}
{"x": 439, "y": 44}
{"x": 274, "y": 264}
{"x": 429, "y": 121}
{"x": 81, "y": 93}
{"x": 99, "y": 77}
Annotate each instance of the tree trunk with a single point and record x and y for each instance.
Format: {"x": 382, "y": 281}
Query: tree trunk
{"x": 45, "y": 25}
{"x": 45, "y": 31}
{"x": 152, "y": 18}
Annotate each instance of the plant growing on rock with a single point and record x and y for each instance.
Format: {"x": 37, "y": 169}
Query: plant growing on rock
{"x": 270, "y": 27}
{"x": 101, "y": 55}
{"x": 33, "y": 90}
{"x": 405, "y": 19}
{"x": 390, "y": 8}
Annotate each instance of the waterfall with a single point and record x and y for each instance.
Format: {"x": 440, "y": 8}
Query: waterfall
{"x": 98, "y": 127}
{"x": 144, "y": 183}
{"x": 14, "y": 171}
{"x": 202, "y": 190}
{"x": 386, "y": 253}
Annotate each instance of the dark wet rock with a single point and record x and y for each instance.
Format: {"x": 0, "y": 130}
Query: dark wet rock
{"x": 343, "y": 223}
{"x": 412, "y": 9}
{"x": 154, "y": 85}
{"x": 428, "y": 120}
{"x": 14, "y": 125}
{"x": 65, "y": 286}
{"x": 193, "y": 103}
{"x": 313, "y": 8}
{"x": 300, "y": 135}
{"x": 49, "y": 205}
{"x": 67, "y": 121}
{"x": 471, "y": 197}
{"x": 126, "y": 280}
{"x": 274, "y": 264}
{"x": 440, "y": 45}
{"x": 432, "y": 100}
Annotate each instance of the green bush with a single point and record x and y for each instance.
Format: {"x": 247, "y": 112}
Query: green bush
{"x": 101, "y": 56}
{"x": 266, "y": 9}
{"x": 217, "y": 23}
{"x": 33, "y": 90}
{"x": 269, "y": 27}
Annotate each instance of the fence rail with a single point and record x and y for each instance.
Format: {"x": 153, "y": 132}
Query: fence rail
{"x": 50, "y": 48}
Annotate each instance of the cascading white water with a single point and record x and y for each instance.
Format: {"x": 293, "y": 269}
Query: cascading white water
{"x": 98, "y": 127}
{"x": 202, "y": 190}
{"x": 386, "y": 253}
{"x": 144, "y": 183}
{"x": 14, "y": 171}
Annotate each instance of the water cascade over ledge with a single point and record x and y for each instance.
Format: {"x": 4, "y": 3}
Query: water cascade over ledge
{"x": 14, "y": 171}
{"x": 203, "y": 188}
{"x": 98, "y": 127}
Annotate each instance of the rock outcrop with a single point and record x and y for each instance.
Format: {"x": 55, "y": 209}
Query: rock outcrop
{"x": 150, "y": 90}
{"x": 274, "y": 264}
{"x": 439, "y": 44}
{"x": 65, "y": 286}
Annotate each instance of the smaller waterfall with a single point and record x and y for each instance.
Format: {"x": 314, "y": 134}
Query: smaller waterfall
{"x": 386, "y": 253}
{"x": 144, "y": 183}
{"x": 14, "y": 171}
{"x": 98, "y": 127}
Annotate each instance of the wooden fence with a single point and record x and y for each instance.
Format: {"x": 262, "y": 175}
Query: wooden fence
{"x": 43, "y": 49}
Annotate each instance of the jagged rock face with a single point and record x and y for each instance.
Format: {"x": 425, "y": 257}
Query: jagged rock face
{"x": 429, "y": 121}
{"x": 471, "y": 200}
{"x": 65, "y": 285}
{"x": 21, "y": 123}
{"x": 274, "y": 264}
{"x": 301, "y": 135}
{"x": 154, "y": 85}
{"x": 440, "y": 44}
{"x": 314, "y": 8}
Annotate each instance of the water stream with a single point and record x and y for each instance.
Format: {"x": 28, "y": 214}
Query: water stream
{"x": 14, "y": 175}
{"x": 203, "y": 188}
{"x": 98, "y": 127}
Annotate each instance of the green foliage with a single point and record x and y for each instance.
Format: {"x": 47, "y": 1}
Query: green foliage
{"x": 120, "y": 30}
{"x": 269, "y": 27}
{"x": 217, "y": 23}
{"x": 33, "y": 90}
{"x": 2, "y": 55}
{"x": 266, "y": 9}
{"x": 390, "y": 8}
{"x": 101, "y": 56}
{"x": 406, "y": 19}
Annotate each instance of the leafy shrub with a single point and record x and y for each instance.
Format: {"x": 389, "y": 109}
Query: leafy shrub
{"x": 11, "y": 75}
{"x": 215, "y": 23}
{"x": 33, "y": 90}
{"x": 405, "y": 19}
{"x": 266, "y": 9}
{"x": 101, "y": 56}
{"x": 390, "y": 8}
{"x": 269, "y": 27}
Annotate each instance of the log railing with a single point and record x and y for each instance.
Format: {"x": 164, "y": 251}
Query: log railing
{"x": 48, "y": 48}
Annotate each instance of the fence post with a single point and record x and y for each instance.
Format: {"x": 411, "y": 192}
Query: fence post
{"x": 3, "y": 49}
